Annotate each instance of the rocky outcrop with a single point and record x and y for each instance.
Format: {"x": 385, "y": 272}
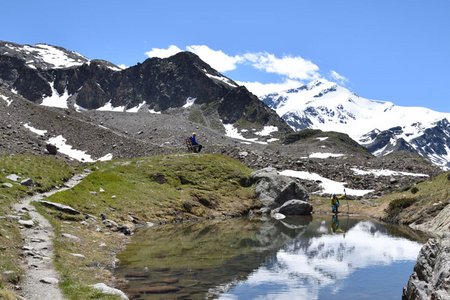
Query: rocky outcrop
{"x": 274, "y": 190}
{"x": 294, "y": 207}
{"x": 431, "y": 276}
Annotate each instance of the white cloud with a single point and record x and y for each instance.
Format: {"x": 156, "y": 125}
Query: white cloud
{"x": 163, "y": 53}
{"x": 260, "y": 89}
{"x": 216, "y": 58}
{"x": 294, "y": 67}
{"x": 338, "y": 77}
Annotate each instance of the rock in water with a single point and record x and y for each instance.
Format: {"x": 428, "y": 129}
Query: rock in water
{"x": 431, "y": 276}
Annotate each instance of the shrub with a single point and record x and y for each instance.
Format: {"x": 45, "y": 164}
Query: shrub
{"x": 414, "y": 190}
{"x": 448, "y": 176}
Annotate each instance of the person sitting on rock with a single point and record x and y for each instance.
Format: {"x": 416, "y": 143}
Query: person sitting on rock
{"x": 195, "y": 145}
{"x": 335, "y": 203}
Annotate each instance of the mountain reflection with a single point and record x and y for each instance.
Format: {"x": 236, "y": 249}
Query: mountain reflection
{"x": 305, "y": 266}
{"x": 296, "y": 258}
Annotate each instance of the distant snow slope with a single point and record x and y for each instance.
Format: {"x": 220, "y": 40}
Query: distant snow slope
{"x": 46, "y": 56}
{"x": 381, "y": 126}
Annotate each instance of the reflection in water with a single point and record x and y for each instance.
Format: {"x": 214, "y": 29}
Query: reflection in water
{"x": 290, "y": 259}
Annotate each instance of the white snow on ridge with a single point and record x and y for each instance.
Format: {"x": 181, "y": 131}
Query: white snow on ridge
{"x": 56, "y": 100}
{"x": 54, "y": 56}
{"x": 136, "y": 108}
{"x": 189, "y": 102}
{"x": 8, "y": 102}
{"x": 325, "y": 155}
{"x": 382, "y": 172}
{"x": 267, "y": 130}
{"x": 108, "y": 107}
{"x": 222, "y": 79}
{"x": 331, "y": 107}
{"x": 60, "y": 143}
{"x": 35, "y": 130}
{"x": 152, "y": 111}
{"x": 322, "y": 138}
{"x": 328, "y": 186}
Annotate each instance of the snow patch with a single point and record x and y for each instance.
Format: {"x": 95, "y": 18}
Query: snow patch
{"x": 232, "y": 132}
{"x": 56, "y": 100}
{"x": 322, "y": 138}
{"x": 60, "y": 142}
{"x": 383, "y": 172}
{"x": 267, "y": 130}
{"x": 34, "y": 130}
{"x": 136, "y": 108}
{"x": 53, "y": 56}
{"x": 189, "y": 102}
{"x": 108, "y": 107}
{"x": 222, "y": 79}
{"x": 8, "y": 102}
{"x": 152, "y": 111}
{"x": 328, "y": 186}
{"x": 325, "y": 155}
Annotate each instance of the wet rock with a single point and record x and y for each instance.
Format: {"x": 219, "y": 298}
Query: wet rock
{"x": 278, "y": 216}
{"x": 431, "y": 276}
{"x": 109, "y": 290}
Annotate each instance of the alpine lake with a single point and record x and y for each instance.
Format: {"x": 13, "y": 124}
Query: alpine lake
{"x": 318, "y": 257}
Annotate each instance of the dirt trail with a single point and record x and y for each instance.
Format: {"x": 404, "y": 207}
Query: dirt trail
{"x": 41, "y": 279}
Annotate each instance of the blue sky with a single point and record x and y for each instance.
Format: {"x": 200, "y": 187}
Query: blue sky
{"x": 390, "y": 50}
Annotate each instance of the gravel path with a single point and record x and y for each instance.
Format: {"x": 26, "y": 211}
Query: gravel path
{"x": 41, "y": 279}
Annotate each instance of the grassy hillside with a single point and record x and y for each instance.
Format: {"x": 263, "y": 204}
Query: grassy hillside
{"x": 46, "y": 172}
{"x": 159, "y": 189}
{"x": 418, "y": 203}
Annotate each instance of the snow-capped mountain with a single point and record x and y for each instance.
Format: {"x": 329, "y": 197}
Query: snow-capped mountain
{"x": 381, "y": 126}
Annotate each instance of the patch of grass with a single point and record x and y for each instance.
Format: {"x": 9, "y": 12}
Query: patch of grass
{"x": 430, "y": 197}
{"x": 7, "y": 294}
{"x": 46, "y": 172}
{"x": 156, "y": 189}
{"x": 396, "y": 206}
{"x": 196, "y": 116}
{"x": 130, "y": 188}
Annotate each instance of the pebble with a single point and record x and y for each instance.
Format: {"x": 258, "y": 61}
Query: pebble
{"x": 49, "y": 280}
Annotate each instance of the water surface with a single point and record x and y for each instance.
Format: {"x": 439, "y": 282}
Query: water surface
{"x": 296, "y": 258}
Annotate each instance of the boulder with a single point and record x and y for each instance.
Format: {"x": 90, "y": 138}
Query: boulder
{"x": 273, "y": 190}
{"x": 431, "y": 275}
{"x": 27, "y": 182}
{"x": 294, "y": 207}
{"x": 13, "y": 177}
{"x": 61, "y": 207}
{"x": 51, "y": 149}
{"x": 109, "y": 290}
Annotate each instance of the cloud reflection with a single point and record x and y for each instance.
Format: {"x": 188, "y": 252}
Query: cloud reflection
{"x": 305, "y": 266}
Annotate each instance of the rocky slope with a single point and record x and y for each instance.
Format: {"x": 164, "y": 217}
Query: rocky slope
{"x": 68, "y": 80}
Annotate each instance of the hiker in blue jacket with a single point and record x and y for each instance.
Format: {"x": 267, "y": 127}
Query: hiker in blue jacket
{"x": 195, "y": 145}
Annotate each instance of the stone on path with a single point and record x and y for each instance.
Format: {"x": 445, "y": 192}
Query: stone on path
{"x": 26, "y": 223}
{"x": 49, "y": 280}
